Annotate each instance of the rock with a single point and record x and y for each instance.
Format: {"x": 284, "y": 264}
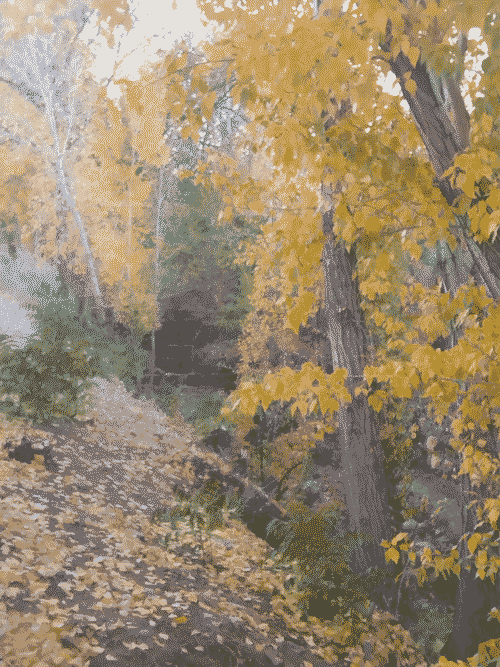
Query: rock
{"x": 218, "y": 441}
{"x": 25, "y": 452}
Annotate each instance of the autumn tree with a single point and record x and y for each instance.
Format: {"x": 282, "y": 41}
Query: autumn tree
{"x": 368, "y": 516}
{"x": 354, "y": 190}
{"x": 44, "y": 66}
{"x": 354, "y": 179}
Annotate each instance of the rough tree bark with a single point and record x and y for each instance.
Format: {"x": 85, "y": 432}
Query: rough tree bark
{"x": 361, "y": 451}
{"x": 443, "y": 123}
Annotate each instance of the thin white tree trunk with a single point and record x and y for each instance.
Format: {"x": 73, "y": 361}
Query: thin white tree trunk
{"x": 52, "y": 81}
{"x": 156, "y": 282}
{"x": 71, "y": 204}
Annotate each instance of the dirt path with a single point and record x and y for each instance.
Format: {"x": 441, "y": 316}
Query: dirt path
{"x": 80, "y": 562}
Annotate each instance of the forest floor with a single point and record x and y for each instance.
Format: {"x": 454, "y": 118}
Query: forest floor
{"x": 84, "y": 580}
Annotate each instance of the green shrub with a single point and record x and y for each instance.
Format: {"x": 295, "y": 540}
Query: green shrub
{"x": 199, "y": 406}
{"x": 50, "y": 376}
{"x": 203, "y": 511}
{"x": 324, "y": 584}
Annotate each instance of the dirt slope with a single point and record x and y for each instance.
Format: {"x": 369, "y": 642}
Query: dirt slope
{"x": 83, "y": 579}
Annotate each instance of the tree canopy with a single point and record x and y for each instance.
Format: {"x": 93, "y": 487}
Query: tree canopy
{"x": 384, "y": 215}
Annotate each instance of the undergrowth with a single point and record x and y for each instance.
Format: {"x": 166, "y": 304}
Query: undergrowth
{"x": 51, "y": 376}
{"x": 312, "y": 558}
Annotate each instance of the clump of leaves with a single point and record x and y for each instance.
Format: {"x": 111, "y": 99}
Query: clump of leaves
{"x": 269, "y": 424}
{"x": 31, "y": 639}
{"x": 324, "y": 585}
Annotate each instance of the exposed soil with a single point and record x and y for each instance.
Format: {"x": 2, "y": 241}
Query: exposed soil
{"x": 83, "y": 579}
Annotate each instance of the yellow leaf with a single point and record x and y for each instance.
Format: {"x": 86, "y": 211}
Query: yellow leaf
{"x": 490, "y": 650}
{"x": 413, "y": 55}
{"x": 486, "y": 123}
{"x": 227, "y": 213}
{"x": 392, "y": 554}
{"x": 383, "y": 262}
{"x": 299, "y": 313}
{"x": 473, "y": 542}
{"x": 301, "y": 406}
{"x": 482, "y": 558}
{"x": 375, "y": 402}
{"x": 411, "y": 87}
{"x": 207, "y": 106}
{"x": 468, "y": 185}
{"x": 413, "y": 248}
{"x": 414, "y": 378}
{"x": 401, "y": 387}
{"x": 266, "y": 399}
{"x": 256, "y": 206}
{"x": 372, "y": 224}
{"x": 405, "y": 46}
{"x": 380, "y": 19}
{"x": 493, "y": 517}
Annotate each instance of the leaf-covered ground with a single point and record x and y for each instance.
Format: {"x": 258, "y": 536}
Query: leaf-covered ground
{"x": 84, "y": 580}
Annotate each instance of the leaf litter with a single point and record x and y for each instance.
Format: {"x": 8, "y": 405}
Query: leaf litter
{"x": 84, "y": 579}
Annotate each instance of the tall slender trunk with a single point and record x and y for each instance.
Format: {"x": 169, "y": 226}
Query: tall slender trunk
{"x": 58, "y": 153}
{"x": 129, "y": 229}
{"x": 443, "y": 123}
{"x": 361, "y": 452}
{"x": 71, "y": 204}
{"x": 156, "y": 280}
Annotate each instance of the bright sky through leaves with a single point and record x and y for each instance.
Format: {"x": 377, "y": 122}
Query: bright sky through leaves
{"x": 158, "y": 26}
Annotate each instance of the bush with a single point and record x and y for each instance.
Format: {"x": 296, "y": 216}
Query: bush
{"x": 199, "y": 406}
{"x": 50, "y": 376}
{"x": 324, "y": 584}
{"x": 203, "y": 510}
{"x": 269, "y": 424}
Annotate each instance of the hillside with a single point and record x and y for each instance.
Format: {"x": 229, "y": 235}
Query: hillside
{"x": 84, "y": 580}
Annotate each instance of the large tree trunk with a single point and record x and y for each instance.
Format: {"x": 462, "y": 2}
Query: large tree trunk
{"x": 362, "y": 458}
{"x": 443, "y": 123}
{"x": 361, "y": 451}
{"x": 474, "y": 599}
